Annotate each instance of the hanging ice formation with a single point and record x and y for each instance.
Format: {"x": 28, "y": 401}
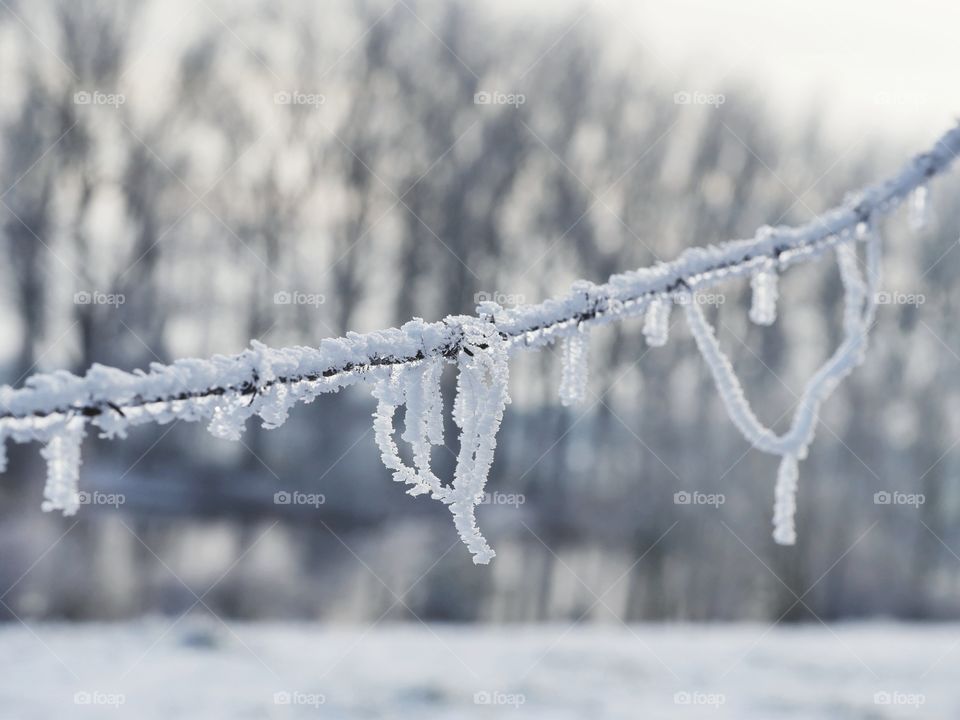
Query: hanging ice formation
{"x": 404, "y": 365}
{"x": 62, "y": 453}
{"x": 483, "y": 374}
{"x": 919, "y": 216}
{"x": 763, "y": 308}
{"x": 656, "y": 323}
{"x": 859, "y": 306}
{"x": 573, "y": 380}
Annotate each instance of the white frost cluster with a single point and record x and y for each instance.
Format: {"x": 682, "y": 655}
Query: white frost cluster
{"x": 404, "y": 365}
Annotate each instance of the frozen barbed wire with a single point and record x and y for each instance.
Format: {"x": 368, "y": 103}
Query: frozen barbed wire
{"x": 404, "y": 364}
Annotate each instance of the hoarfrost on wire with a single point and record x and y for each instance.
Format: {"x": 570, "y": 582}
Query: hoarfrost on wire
{"x": 404, "y": 365}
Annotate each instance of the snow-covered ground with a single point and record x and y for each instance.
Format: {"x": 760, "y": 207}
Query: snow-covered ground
{"x": 206, "y": 669}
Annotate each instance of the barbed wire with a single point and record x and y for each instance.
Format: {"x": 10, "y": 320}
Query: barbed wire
{"x": 104, "y": 390}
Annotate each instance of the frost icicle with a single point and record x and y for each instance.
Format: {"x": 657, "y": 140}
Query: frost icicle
{"x": 656, "y": 324}
{"x": 434, "y": 401}
{"x": 576, "y": 353}
{"x": 763, "y": 309}
{"x": 859, "y": 299}
{"x": 481, "y": 396}
{"x": 785, "y": 503}
{"x": 388, "y": 391}
{"x": 919, "y": 215}
{"x": 423, "y": 426}
{"x": 62, "y": 454}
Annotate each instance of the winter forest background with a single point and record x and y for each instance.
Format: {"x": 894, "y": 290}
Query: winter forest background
{"x": 208, "y": 163}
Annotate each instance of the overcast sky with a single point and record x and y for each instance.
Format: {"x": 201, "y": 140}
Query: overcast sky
{"x": 874, "y": 66}
{"x": 865, "y": 67}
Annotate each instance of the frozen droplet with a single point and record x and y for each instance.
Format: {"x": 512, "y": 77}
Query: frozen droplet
{"x": 763, "y": 309}
{"x": 656, "y": 324}
{"x": 62, "y": 453}
{"x": 919, "y": 213}
{"x": 573, "y": 382}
